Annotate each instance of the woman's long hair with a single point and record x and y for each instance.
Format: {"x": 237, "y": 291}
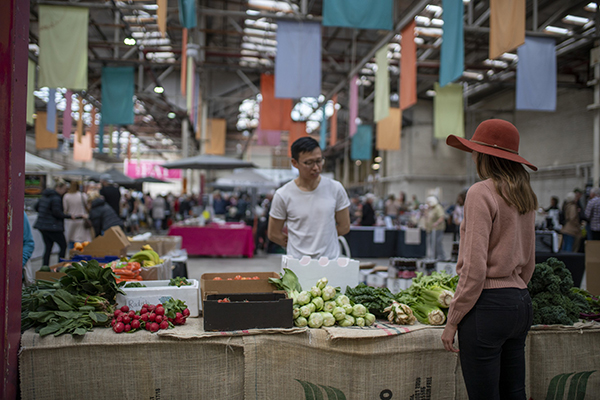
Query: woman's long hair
{"x": 74, "y": 187}
{"x": 510, "y": 179}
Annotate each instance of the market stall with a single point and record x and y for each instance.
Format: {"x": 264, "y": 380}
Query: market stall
{"x": 382, "y": 361}
{"x": 228, "y": 239}
{"x": 378, "y": 241}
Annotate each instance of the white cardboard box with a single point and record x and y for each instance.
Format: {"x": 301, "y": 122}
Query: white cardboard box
{"x": 341, "y": 272}
{"x": 157, "y": 292}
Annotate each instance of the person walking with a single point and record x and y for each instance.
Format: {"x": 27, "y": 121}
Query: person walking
{"x": 159, "y": 205}
{"x": 111, "y": 193}
{"x": 51, "y": 220}
{"x": 592, "y": 213}
{"x": 368, "y": 212}
{"x": 572, "y": 226}
{"x": 102, "y": 215}
{"x": 492, "y": 309}
{"x": 75, "y": 203}
{"x": 435, "y": 225}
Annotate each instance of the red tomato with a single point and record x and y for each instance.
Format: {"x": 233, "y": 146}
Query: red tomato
{"x": 216, "y": 278}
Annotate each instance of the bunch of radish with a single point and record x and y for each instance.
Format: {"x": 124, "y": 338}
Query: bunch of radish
{"x": 151, "y": 317}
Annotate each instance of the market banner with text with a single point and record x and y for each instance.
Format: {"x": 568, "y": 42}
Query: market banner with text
{"x": 536, "y": 75}
{"x": 63, "y": 47}
{"x": 408, "y": 67}
{"x": 507, "y": 26}
{"x": 389, "y": 131}
{"x": 382, "y": 85}
{"x": 359, "y": 14}
{"x": 362, "y": 143}
{"x": 149, "y": 168}
{"x": 118, "y": 89}
{"x": 298, "y": 60}
{"x": 448, "y": 114}
{"x": 452, "y": 63}
{"x": 275, "y": 114}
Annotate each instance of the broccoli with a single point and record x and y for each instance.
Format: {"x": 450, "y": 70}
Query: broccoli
{"x": 554, "y": 301}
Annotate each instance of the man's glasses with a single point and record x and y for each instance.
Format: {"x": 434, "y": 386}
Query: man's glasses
{"x": 312, "y": 163}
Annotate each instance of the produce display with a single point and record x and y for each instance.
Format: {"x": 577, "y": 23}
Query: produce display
{"x": 238, "y": 278}
{"x": 147, "y": 257}
{"x": 126, "y": 271}
{"x": 80, "y": 245}
{"x": 593, "y": 314}
{"x": 134, "y": 284}
{"x": 179, "y": 281}
{"x": 554, "y": 299}
{"x": 151, "y": 317}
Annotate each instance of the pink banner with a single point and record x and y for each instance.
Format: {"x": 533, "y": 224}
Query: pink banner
{"x": 353, "y": 105}
{"x": 67, "y": 116}
{"x": 147, "y": 168}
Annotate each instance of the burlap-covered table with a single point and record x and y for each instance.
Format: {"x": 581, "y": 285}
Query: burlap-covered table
{"x": 382, "y": 362}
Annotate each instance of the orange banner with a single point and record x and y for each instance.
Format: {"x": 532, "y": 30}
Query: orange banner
{"x": 79, "y": 132}
{"x": 408, "y": 67}
{"x": 216, "y": 130}
{"x": 333, "y": 127}
{"x": 161, "y": 15}
{"x": 44, "y": 139}
{"x": 389, "y": 131}
{"x": 82, "y": 149}
{"x": 297, "y": 130}
{"x": 275, "y": 114}
{"x": 183, "y": 76}
{"x": 507, "y": 26}
{"x": 93, "y": 127}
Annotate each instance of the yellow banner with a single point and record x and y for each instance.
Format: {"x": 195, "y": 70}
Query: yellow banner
{"x": 216, "y": 130}
{"x": 44, "y": 139}
{"x": 507, "y": 26}
{"x": 389, "y": 130}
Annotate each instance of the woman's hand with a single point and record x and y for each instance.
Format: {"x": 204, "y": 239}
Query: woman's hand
{"x": 448, "y": 337}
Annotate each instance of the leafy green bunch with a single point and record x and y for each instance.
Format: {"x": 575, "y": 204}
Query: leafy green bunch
{"x": 376, "y": 299}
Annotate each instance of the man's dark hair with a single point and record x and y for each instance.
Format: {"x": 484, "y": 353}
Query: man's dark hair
{"x": 305, "y": 144}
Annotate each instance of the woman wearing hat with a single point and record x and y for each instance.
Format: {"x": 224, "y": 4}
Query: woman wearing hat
{"x": 491, "y": 308}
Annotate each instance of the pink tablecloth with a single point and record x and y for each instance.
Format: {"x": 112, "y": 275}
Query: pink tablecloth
{"x": 230, "y": 239}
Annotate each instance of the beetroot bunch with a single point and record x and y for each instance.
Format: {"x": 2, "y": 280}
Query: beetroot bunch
{"x": 150, "y": 317}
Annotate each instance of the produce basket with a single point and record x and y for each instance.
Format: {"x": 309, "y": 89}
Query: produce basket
{"x": 157, "y": 292}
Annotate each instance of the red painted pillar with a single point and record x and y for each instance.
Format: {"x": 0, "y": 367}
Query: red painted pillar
{"x": 14, "y": 39}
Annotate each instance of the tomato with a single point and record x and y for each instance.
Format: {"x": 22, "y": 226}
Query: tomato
{"x": 229, "y": 279}
{"x": 238, "y": 277}
{"x": 255, "y": 277}
{"x": 216, "y": 278}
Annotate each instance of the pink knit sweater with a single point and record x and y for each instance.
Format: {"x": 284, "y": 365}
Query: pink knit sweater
{"x": 497, "y": 248}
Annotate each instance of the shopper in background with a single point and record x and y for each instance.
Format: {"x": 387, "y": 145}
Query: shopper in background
{"x": 355, "y": 210}
{"x": 76, "y": 203}
{"x": 592, "y": 213}
{"x": 391, "y": 207}
{"x": 28, "y": 243}
{"x": 102, "y": 215}
{"x": 368, "y": 212}
{"x": 159, "y": 205}
{"x": 572, "y": 225}
{"x": 220, "y": 204}
{"x": 435, "y": 225}
{"x": 110, "y": 192}
{"x": 51, "y": 220}
{"x": 314, "y": 207}
{"x": 492, "y": 309}
{"x": 458, "y": 214}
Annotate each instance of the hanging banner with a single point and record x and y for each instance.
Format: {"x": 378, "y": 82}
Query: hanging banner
{"x": 216, "y": 129}
{"x": 161, "y": 14}
{"x": 44, "y": 139}
{"x": 536, "y": 75}
{"x": 267, "y": 137}
{"x": 51, "y": 111}
{"x": 67, "y": 117}
{"x": 196, "y": 103}
{"x": 275, "y": 114}
{"x": 359, "y": 14}
{"x": 189, "y": 98}
{"x": 408, "y": 67}
{"x": 323, "y": 130}
{"x": 149, "y": 168}
{"x": 30, "y": 88}
{"x": 183, "y": 75}
{"x": 101, "y": 135}
{"x": 63, "y": 47}
{"x": 362, "y": 143}
{"x": 389, "y": 131}
{"x": 199, "y": 116}
{"x": 298, "y": 60}
{"x": 382, "y": 85}
{"x": 353, "y": 105}
{"x": 333, "y": 128}
{"x": 297, "y": 130}
{"x": 79, "y": 132}
{"x": 187, "y": 13}
{"x": 507, "y": 26}
{"x": 82, "y": 150}
{"x": 448, "y": 114}
{"x": 93, "y": 126}
{"x": 118, "y": 89}
{"x": 452, "y": 58}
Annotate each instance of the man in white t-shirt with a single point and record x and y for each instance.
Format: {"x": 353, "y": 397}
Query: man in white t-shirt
{"x": 314, "y": 207}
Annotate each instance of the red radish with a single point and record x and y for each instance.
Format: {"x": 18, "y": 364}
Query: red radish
{"x": 117, "y": 313}
{"x": 127, "y": 328}
{"x": 113, "y": 322}
{"x": 186, "y": 312}
{"x": 178, "y": 315}
{"x": 152, "y": 317}
{"x": 144, "y": 310}
{"x": 137, "y": 317}
{"x": 158, "y": 319}
{"x": 119, "y": 326}
{"x": 126, "y": 319}
{"x": 154, "y": 327}
{"x": 150, "y": 307}
{"x": 119, "y": 319}
{"x": 135, "y": 324}
{"x": 160, "y": 310}
{"x": 179, "y": 321}
{"x": 131, "y": 313}
{"x": 164, "y": 325}
{"x": 144, "y": 317}
{"x": 125, "y": 309}
{"x": 147, "y": 326}
{"x": 145, "y": 306}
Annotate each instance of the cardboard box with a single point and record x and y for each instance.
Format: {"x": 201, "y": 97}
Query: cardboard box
{"x": 112, "y": 243}
{"x": 161, "y": 244}
{"x": 157, "y": 292}
{"x": 341, "y": 272}
{"x": 247, "y": 311}
{"x": 592, "y": 266}
{"x": 209, "y": 286}
{"x": 53, "y": 274}
{"x": 158, "y": 272}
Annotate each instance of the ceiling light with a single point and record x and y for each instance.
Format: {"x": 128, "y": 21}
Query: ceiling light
{"x": 510, "y": 56}
{"x": 430, "y": 93}
{"x": 159, "y": 89}
{"x": 252, "y": 12}
{"x": 358, "y": 163}
{"x": 591, "y": 7}
{"x": 171, "y": 115}
{"x": 375, "y": 167}
{"x": 421, "y": 20}
{"x": 378, "y": 159}
{"x": 436, "y": 10}
{"x": 575, "y": 20}
{"x": 495, "y": 63}
{"x": 473, "y": 75}
{"x": 129, "y": 41}
{"x": 556, "y": 29}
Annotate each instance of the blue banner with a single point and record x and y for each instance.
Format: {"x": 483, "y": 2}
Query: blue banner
{"x": 298, "y": 60}
{"x": 187, "y": 13}
{"x": 452, "y": 63}
{"x": 536, "y": 75}
{"x": 323, "y": 137}
{"x": 117, "y": 95}
{"x": 51, "y": 111}
{"x": 362, "y": 143}
{"x": 360, "y": 14}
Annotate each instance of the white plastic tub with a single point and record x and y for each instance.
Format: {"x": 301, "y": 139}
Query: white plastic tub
{"x": 157, "y": 292}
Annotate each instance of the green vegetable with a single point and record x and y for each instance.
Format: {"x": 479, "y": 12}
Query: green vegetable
{"x": 315, "y": 320}
{"x": 301, "y": 322}
{"x": 359, "y": 310}
{"x": 134, "y": 284}
{"x": 288, "y": 282}
{"x": 375, "y": 299}
{"x": 172, "y": 307}
{"x": 45, "y": 268}
{"x": 369, "y": 319}
{"x": 90, "y": 278}
{"x": 428, "y": 314}
{"x": 328, "y": 293}
{"x": 318, "y": 302}
{"x": 328, "y": 319}
{"x": 438, "y": 296}
{"x": 321, "y": 283}
{"x": 312, "y": 307}
{"x": 339, "y": 313}
{"x": 348, "y": 309}
{"x": 341, "y": 300}
{"x": 179, "y": 282}
{"x": 400, "y": 314}
{"x": 348, "y": 321}
{"x": 315, "y": 291}
{"x": 305, "y": 311}
{"x": 360, "y": 321}
{"x": 295, "y": 312}
{"x": 303, "y": 298}
{"x": 554, "y": 301}
{"x": 329, "y": 306}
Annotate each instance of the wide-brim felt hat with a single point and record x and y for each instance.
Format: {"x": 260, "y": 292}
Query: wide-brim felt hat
{"x": 494, "y": 137}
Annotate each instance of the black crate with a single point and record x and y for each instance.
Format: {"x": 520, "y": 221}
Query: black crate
{"x": 262, "y": 310}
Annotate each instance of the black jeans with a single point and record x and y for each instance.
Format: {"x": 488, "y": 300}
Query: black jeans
{"x": 50, "y": 238}
{"x": 491, "y": 338}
